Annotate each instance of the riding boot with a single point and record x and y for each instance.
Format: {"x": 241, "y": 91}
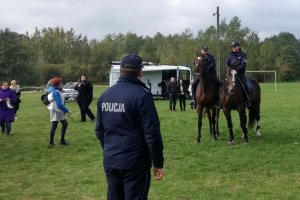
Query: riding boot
{"x": 218, "y": 104}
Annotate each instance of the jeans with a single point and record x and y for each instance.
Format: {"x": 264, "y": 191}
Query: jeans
{"x": 6, "y": 127}
{"x": 172, "y": 102}
{"x": 182, "y": 104}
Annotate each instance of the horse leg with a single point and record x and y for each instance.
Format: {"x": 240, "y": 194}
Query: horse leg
{"x": 258, "y": 134}
{"x": 200, "y": 111}
{"x": 217, "y": 121}
{"x": 227, "y": 114}
{"x": 213, "y": 118}
{"x": 209, "y": 120}
{"x": 243, "y": 123}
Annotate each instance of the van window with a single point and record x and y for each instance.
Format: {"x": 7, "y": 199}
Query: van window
{"x": 184, "y": 75}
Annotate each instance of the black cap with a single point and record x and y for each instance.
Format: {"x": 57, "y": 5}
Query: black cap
{"x": 235, "y": 44}
{"x": 132, "y": 61}
{"x": 205, "y": 48}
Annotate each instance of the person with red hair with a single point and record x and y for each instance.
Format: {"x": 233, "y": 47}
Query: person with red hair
{"x": 57, "y": 110}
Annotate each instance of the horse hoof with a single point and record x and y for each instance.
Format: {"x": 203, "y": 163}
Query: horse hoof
{"x": 215, "y": 137}
{"x": 231, "y": 142}
{"x": 197, "y": 142}
{"x": 258, "y": 134}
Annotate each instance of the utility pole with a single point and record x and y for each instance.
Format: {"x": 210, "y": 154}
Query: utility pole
{"x": 218, "y": 42}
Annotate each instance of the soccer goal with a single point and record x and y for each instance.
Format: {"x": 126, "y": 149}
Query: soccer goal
{"x": 264, "y": 76}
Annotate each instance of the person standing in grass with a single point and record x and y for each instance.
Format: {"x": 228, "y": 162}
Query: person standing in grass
{"x": 57, "y": 110}
{"x": 16, "y": 88}
{"x": 85, "y": 97}
{"x": 183, "y": 93}
{"x": 129, "y": 132}
{"x": 172, "y": 90}
{"x": 7, "y": 97}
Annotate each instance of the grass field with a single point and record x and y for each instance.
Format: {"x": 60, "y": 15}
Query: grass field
{"x": 266, "y": 168}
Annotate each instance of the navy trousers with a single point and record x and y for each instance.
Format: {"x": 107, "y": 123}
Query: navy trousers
{"x": 127, "y": 184}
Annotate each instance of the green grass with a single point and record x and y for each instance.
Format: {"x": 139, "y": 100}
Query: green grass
{"x": 266, "y": 168}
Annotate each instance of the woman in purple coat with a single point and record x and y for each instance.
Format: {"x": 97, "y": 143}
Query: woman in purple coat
{"x": 7, "y": 97}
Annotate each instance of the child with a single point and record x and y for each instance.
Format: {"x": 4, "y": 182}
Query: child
{"x": 7, "y": 98}
{"x": 57, "y": 110}
{"x": 16, "y": 88}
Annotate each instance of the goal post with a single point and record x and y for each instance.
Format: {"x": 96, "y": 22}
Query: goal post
{"x": 267, "y": 71}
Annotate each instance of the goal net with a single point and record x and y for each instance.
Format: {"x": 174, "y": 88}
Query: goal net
{"x": 264, "y": 77}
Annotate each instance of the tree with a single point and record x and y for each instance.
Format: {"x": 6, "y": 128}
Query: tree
{"x": 14, "y": 57}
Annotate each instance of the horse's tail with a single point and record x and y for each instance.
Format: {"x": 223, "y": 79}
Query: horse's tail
{"x": 252, "y": 116}
{"x": 254, "y": 110}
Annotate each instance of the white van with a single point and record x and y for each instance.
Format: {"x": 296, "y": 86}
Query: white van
{"x": 154, "y": 75}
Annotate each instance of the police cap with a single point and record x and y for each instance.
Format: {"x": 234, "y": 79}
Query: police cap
{"x": 132, "y": 61}
{"x": 235, "y": 44}
{"x": 205, "y": 48}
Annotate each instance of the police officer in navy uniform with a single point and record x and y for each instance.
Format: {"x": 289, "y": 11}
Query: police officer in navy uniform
{"x": 129, "y": 132}
{"x": 237, "y": 60}
{"x": 211, "y": 69}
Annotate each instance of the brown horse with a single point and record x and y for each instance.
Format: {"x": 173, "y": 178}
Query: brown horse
{"x": 231, "y": 98}
{"x": 206, "y": 98}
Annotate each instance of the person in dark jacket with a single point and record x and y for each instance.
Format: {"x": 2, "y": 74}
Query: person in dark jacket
{"x": 16, "y": 88}
{"x": 183, "y": 93}
{"x": 211, "y": 69}
{"x": 237, "y": 60}
{"x": 128, "y": 129}
{"x": 172, "y": 90}
{"x": 85, "y": 97}
{"x": 163, "y": 84}
{"x": 7, "y": 98}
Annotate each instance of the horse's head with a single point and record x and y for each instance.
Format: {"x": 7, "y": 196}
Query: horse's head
{"x": 231, "y": 81}
{"x": 200, "y": 63}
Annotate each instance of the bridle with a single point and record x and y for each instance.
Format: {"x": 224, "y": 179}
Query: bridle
{"x": 232, "y": 82}
{"x": 200, "y": 61}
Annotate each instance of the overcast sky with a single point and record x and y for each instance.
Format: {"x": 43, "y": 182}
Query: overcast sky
{"x": 96, "y": 18}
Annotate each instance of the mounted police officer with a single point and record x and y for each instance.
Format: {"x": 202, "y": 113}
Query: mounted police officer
{"x": 237, "y": 60}
{"x": 211, "y": 69}
{"x": 129, "y": 132}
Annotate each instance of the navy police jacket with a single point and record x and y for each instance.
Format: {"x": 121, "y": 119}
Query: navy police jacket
{"x": 238, "y": 61}
{"x": 211, "y": 64}
{"x": 128, "y": 127}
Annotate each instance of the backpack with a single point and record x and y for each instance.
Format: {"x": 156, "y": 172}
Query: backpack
{"x": 45, "y": 100}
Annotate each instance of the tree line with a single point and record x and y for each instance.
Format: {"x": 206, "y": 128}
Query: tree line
{"x": 33, "y": 59}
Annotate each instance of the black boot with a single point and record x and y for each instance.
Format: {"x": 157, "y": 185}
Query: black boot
{"x": 247, "y": 100}
{"x": 63, "y": 142}
{"x": 51, "y": 144}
